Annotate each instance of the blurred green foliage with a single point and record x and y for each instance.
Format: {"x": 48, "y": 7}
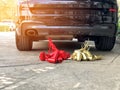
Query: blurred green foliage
{"x": 119, "y": 20}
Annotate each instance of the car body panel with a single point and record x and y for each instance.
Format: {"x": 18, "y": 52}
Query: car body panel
{"x": 68, "y": 17}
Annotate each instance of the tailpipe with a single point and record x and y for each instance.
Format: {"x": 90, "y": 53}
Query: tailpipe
{"x": 31, "y": 33}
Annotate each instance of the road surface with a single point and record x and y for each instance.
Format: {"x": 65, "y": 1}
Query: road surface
{"x": 22, "y": 70}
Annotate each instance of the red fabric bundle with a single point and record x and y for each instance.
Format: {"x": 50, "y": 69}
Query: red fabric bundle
{"x": 54, "y": 55}
{"x": 42, "y": 56}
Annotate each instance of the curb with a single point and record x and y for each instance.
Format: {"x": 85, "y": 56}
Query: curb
{"x": 118, "y": 39}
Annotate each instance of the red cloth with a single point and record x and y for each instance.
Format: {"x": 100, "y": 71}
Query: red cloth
{"x": 54, "y": 55}
{"x": 42, "y": 56}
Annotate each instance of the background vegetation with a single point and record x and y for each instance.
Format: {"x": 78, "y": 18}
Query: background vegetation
{"x": 119, "y": 16}
{"x": 8, "y": 9}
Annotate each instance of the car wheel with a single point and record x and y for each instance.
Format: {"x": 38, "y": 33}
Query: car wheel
{"x": 23, "y": 43}
{"x": 105, "y": 43}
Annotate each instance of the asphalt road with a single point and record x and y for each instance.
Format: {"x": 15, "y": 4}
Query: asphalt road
{"x": 22, "y": 70}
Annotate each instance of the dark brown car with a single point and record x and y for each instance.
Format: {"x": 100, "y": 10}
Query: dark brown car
{"x": 67, "y": 19}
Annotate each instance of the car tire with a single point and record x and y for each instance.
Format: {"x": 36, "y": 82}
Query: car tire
{"x": 105, "y": 43}
{"x": 23, "y": 43}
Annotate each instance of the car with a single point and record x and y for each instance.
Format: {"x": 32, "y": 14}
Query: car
{"x": 9, "y": 24}
{"x": 4, "y": 27}
{"x": 95, "y": 20}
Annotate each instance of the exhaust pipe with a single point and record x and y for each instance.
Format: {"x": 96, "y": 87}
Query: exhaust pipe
{"x": 31, "y": 33}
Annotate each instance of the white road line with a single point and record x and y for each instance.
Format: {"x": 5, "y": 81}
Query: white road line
{"x": 6, "y": 80}
{"x": 49, "y": 67}
{"x": 77, "y": 85}
{"x": 43, "y": 70}
{"x": 15, "y": 86}
{"x": 39, "y": 70}
{"x": 117, "y": 85}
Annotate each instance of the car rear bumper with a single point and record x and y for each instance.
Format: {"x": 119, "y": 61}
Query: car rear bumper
{"x": 42, "y": 30}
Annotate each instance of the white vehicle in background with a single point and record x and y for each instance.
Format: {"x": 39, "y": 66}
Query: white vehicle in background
{"x": 8, "y": 23}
